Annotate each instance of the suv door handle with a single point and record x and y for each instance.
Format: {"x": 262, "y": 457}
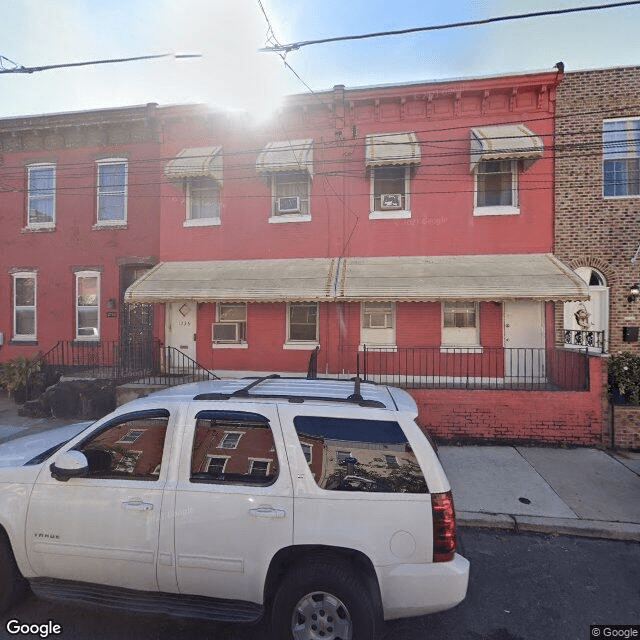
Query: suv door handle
{"x": 137, "y": 505}
{"x": 267, "y": 512}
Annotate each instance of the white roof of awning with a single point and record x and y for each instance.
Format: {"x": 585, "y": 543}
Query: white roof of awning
{"x": 483, "y": 277}
{"x": 392, "y": 149}
{"x": 287, "y": 155}
{"x": 503, "y": 142}
{"x": 196, "y": 162}
{"x": 293, "y": 280}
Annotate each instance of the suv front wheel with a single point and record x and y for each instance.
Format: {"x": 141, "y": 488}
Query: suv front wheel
{"x": 325, "y": 600}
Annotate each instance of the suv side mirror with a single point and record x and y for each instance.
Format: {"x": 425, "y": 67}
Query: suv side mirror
{"x": 71, "y": 464}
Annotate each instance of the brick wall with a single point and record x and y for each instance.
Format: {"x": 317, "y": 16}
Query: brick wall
{"x": 589, "y": 229}
{"x": 626, "y": 422}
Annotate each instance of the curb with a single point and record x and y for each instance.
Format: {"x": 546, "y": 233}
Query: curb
{"x": 628, "y": 531}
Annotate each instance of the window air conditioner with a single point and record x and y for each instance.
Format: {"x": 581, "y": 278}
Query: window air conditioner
{"x": 391, "y": 201}
{"x": 226, "y": 332}
{"x": 289, "y": 204}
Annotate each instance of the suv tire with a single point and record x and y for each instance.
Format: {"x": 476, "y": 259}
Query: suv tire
{"x": 12, "y": 585}
{"x": 325, "y": 600}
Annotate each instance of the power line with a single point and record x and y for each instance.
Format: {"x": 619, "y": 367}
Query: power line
{"x": 286, "y": 48}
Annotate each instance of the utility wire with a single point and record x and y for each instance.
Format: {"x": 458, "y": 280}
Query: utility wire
{"x": 286, "y": 48}
{"x": 21, "y": 69}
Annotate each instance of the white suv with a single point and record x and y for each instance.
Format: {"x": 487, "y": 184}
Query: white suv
{"x": 317, "y": 507}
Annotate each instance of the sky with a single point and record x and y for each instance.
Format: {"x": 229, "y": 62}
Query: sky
{"x": 233, "y": 74}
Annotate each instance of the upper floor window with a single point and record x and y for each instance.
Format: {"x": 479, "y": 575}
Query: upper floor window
{"x": 390, "y": 158}
{"x": 621, "y": 158}
{"x": 87, "y": 305}
{"x": 41, "y": 199}
{"x": 289, "y": 167}
{"x": 203, "y": 202}
{"x": 112, "y": 192}
{"x": 24, "y": 306}
{"x": 496, "y": 185}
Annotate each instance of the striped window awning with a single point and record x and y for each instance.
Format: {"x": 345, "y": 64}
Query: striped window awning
{"x": 196, "y": 162}
{"x": 504, "y": 142}
{"x": 287, "y": 155}
{"x": 385, "y": 149}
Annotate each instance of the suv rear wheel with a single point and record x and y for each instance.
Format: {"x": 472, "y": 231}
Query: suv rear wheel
{"x": 12, "y": 585}
{"x": 324, "y": 600}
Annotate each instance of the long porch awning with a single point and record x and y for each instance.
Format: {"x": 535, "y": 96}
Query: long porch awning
{"x": 409, "y": 279}
{"x": 392, "y": 149}
{"x": 480, "y": 278}
{"x": 295, "y": 280}
{"x": 288, "y": 155}
{"x": 503, "y": 142}
{"x": 196, "y": 162}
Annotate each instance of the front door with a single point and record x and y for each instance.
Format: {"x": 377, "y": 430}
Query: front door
{"x": 181, "y": 331}
{"x": 524, "y": 341}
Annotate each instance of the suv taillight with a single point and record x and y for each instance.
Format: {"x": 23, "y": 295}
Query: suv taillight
{"x": 444, "y": 527}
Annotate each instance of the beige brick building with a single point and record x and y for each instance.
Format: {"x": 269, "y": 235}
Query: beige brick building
{"x": 597, "y": 217}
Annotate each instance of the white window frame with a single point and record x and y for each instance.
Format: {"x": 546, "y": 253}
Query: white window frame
{"x": 194, "y": 184}
{"x": 390, "y": 214}
{"x": 454, "y": 338}
{"x": 497, "y": 210}
{"x": 131, "y": 436}
{"x": 33, "y": 196}
{"x": 123, "y": 192}
{"x": 230, "y": 433}
{"x": 307, "y": 447}
{"x": 301, "y": 344}
{"x": 378, "y": 336}
{"x": 303, "y": 216}
{"x": 622, "y": 155}
{"x": 25, "y": 275}
{"x": 252, "y": 462}
{"x": 241, "y": 342}
{"x": 210, "y": 457}
{"x": 79, "y": 275}
{"x": 132, "y": 456}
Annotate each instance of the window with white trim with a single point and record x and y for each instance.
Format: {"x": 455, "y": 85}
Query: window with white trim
{"x": 290, "y": 193}
{"x": 215, "y": 464}
{"x": 203, "y": 202}
{"x": 230, "y": 440}
{"x": 41, "y": 196}
{"x": 378, "y": 323}
{"x": 131, "y": 436}
{"x": 496, "y": 187}
{"x": 390, "y": 191}
{"x": 88, "y": 305}
{"x": 460, "y": 326}
{"x": 112, "y": 192}
{"x": 307, "y": 450}
{"x": 259, "y": 467}
{"x": 24, "y": 306}
{"x": 231, "y": 324}
{"x": 621, "y": 158}
{"x": 302, "y": 322}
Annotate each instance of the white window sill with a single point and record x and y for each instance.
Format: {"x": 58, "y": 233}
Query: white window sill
{"x": 85, "y": 339}
{"x": 39, "y": 227}
{"x": 109, "y": 225}
{"x": 229, "y": 345}
{"x": 392, "y": 348}
{"x": 496, "y": 211}
{"x": 202, "y": 222}
{"x": 300, "y": 346}
{"x": 290, "y": 217}
{"x": 633, "y": 195}
{"x": 393, "y": 214}
{"x": 472, "y": 348}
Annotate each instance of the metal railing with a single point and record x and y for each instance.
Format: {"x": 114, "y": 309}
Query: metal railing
{"x": 527, "y": 369}
{"x": 590, "y": 339}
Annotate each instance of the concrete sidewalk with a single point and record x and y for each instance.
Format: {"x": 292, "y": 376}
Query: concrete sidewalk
{"x": 585, "y": 492}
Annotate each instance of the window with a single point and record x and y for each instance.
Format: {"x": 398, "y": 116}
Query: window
{"x": 110, "y": 453}
{"x": 290, "y": 191}
{"x": 41, "y": 200}
{"x": 390, "y": 191}
{"x": 302, "y": 321}
{"x": 231, "y": 324}
{"x": 255, "y": 463}
{"x": 230, "y": 440}
{"x": 203, "y": 202}
{"x": 132, "y": 436}
{"x": 342, "y": 456}
{"x": 307, "y": 450}
{"x": 496, "y": 187}
{"x": 621, "y": 158}
{"x": 460, "y": 324}
{"x": 378, "y": 323}
{"x": 24, "y": 306}
{"x": 392, "y": 462}
{"x": 112, "y": 192}
{"x": 87, "y": 305}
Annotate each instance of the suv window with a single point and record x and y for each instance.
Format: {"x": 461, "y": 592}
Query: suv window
{"x": 130, "y": 447}
{"x": 233, "y": 447}
{"x": 353, "y": 455}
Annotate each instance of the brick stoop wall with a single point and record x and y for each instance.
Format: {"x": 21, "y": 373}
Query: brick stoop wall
{"x": 626, "y": 421}
{"x": 554, "y": 417}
